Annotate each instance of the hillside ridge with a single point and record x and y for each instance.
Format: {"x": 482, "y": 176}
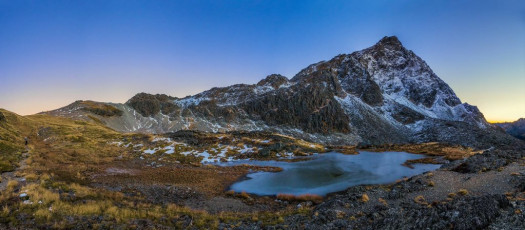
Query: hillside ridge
{"x": 379, "y": 95}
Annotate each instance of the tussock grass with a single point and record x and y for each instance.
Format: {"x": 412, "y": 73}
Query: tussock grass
{"x": 463, "y": 192}
{"x": 53, "y": 208}
{"x": 82, "y": 191}
{"x": 11, "y": 185}
{"x": 38, "y": 193}
{"x": 244, "y": 195}
{"x": 31, "y": 177}
{"x": 382, "y": 201}
{"x": 365, "y": 198}
{"x": 43, "y": 214}
{"x": 420, "y": 200}
{"x": 450, "y": 152}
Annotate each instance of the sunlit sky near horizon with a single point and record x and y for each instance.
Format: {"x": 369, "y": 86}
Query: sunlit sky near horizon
{"x": 55, "y": 52}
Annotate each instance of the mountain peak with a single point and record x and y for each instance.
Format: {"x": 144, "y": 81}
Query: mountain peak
{"x": 381, "y": 94}
{"x": 389, "y": 42}
{"x": 274, "y": 80}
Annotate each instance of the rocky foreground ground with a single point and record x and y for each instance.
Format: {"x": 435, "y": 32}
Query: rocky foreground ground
{"x": 483, "y": 191}
{"x": 82, "y": 175}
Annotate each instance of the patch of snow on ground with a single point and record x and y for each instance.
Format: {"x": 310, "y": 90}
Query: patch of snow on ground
{"x": 245, "y": 149}
{"x": 219, "y": 153}
{"x": 285, "y": 155}
{"x": 150, "y": 151}
{"x": 169, "y": 149}
{"x": 121, "y": 144}
{"x": 165, "y": 139}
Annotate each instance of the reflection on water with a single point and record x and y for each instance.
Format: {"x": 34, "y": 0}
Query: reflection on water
{"x": 329, "y": 172}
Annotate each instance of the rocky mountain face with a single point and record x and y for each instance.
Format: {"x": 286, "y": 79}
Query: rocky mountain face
{"x": 516, "y": 128}
{"x": 379, "y": 95}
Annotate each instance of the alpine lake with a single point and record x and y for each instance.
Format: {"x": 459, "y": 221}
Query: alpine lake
{"x": 325, "y": 173}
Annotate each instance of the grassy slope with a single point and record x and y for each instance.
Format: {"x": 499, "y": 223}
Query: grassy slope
{"x": 63, "y": 156}
{"x": 13, "y": 129}
{"x": 68, "y": 148}
{"x": 52, "y": 135}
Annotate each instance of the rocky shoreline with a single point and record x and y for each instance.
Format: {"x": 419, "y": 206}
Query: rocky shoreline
{"x": 495, "y": 200}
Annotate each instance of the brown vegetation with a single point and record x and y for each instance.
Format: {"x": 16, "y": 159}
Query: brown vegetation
{"x": 420, "y": 200}
{"x": 382, "y": 201}
{"x": 463, "y": 192}
{"x": 100, "y": 109}
{"x": 365, "y": 198}
{"x": 301, "y": 198}
{"x": 450, "y": 152}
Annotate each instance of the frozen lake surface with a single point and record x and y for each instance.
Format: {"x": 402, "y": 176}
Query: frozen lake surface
{"x": 329, "y": 172}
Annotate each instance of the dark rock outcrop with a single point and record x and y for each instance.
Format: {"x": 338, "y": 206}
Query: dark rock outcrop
{"x": 311, "y": 108}
{"x": 148, "y": 105}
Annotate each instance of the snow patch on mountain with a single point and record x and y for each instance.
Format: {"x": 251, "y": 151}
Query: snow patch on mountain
{"x": 189, "y": 101}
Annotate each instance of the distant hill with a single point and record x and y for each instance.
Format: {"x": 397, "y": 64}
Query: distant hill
{"x": 516, "y": 128}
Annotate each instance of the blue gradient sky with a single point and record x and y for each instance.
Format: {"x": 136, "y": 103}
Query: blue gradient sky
{"x": 55, "y": 52}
